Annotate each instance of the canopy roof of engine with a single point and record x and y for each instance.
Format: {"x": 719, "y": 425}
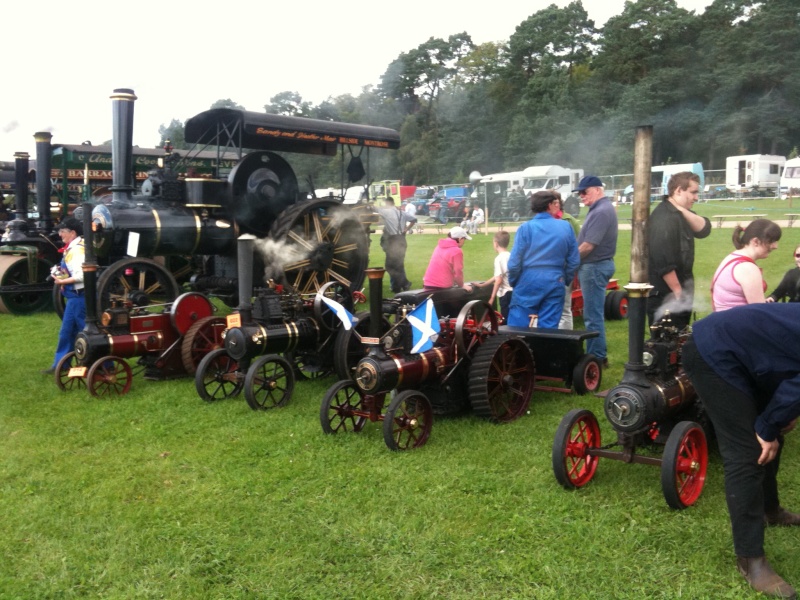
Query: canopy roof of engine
{"x": 232, "y": 128}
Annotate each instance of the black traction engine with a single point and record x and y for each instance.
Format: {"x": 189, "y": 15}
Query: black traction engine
{"x": 654, "y": 406}
{"x": 468, "y": 365}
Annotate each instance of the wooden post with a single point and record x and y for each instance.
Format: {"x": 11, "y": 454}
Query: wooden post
{"x": 642, "y": 161}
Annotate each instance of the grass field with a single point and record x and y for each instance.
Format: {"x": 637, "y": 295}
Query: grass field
{"x": 158, "y": 494}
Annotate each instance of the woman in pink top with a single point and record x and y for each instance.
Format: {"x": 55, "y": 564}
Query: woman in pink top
{"x": 446, "y": 268}
{"x": 738, "y": 279}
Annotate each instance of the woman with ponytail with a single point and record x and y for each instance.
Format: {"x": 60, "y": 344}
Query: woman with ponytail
{"x": 738, "y": 280}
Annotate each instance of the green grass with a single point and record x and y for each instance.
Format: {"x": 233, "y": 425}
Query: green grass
{"x": 158, "y": 494}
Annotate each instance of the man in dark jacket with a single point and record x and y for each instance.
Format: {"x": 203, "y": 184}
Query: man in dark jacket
{"x": 745, "y": 365}
{"x": 671, "y": 231}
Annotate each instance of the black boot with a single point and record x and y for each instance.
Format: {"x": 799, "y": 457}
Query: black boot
{"x": 781, "y": 517}
{"x": 763, "y": 579}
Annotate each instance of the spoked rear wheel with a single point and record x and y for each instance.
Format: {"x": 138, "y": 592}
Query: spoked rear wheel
{"x": 577, "y": 433}
{"x": 269, "y": 382}
{"x": 201, "y": 338}
{"x": 501, "y": 379}
{"x": 684, "y": 463}
{"x": 408, "y": 421}
{"x": 323, "y": 242}
{"x": 476, "y": 321}
{"x": 218, "y": 376}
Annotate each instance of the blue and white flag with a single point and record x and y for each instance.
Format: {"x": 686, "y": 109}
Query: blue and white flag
{"x": 424, "y": 326}
{"x": 347, "y": 319}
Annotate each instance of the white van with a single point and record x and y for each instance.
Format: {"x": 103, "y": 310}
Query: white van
{"x": 753, "y": 171}
{"x": 660, "y": 176}
{"x": 790, "y": 180}
{"x": 551, "y": 177}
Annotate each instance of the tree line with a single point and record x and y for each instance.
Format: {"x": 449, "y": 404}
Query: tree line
{"x": 562, "y": 91}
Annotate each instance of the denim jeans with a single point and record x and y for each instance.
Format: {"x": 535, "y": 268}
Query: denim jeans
{"x": 594, "y": 278}
{"x": 71, "y": 325}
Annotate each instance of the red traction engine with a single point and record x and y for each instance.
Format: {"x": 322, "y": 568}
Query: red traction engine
{"x": 469, "y": 366}
{"x": 281, "y": 334}
{"x": 654, "y": 405}
{"x": 169, "y": 340}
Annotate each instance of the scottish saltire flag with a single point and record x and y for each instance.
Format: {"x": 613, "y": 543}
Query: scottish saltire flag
{"x": 424, "y": 326}
{"x": 347, "y": 319}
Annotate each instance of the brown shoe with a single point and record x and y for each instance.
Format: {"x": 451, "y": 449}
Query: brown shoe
{"x": 782, "y": 518}
{"x": 763, "y": 579}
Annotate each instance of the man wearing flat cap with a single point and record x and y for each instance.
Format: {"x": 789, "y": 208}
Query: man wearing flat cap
{"x": 69, "y": 276}
{"x": 597, "y": 244}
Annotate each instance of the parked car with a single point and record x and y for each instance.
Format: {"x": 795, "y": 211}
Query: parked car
{"x": 422, "y": 199}
{"x": 513, "y": 207}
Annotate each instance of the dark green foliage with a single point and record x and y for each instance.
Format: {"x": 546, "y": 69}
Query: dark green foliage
{"x": 561, "y": 91}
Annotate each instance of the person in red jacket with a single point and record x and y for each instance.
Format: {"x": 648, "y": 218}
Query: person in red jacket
{"x": 446, "y": 268}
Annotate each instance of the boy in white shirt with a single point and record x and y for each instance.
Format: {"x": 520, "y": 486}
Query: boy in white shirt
{"x": 501, "y": 288}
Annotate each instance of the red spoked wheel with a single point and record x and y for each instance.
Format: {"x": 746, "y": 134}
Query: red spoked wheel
{"x": 269, "y": 382}
{"x": 63, "y": 380}
{"x": 408, "y": 421}
{"x": 218, "y": 376}
{"x": 109, "y": 376}
{"x": 342, "y": 408}
{"x": 476, "y": 321}
{"x": 684, "y": 464}
{"x": 201, "y": 338}
{"x": 576, "y": 435}
{"x": 587, "y": 375}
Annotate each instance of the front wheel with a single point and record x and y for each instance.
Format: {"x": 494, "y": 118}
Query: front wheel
{"x": 684, "y": 463}
{"x": 408, "y": 421}
{"x": 63, "y": 380}
{"x": 577, "y": 434}
{"x": 342, "y": 408}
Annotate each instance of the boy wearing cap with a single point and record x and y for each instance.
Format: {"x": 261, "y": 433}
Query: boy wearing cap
{"x": 597, "y": 244}
{"x": 446, "y": 268}
{"x": 69, "y": 276}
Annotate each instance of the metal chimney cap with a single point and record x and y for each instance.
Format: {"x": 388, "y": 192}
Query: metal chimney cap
{"x": 123, "y": 94}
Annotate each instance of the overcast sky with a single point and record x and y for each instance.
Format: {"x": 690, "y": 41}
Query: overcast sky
{"x": 62, "y": 59}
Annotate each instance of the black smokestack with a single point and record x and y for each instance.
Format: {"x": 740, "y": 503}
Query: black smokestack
{"x": 89, "y": 270}
{"x": 122, "y": 144}
{"x": 21, "y": 165}
{"x": 245, "y": 270}
{"x": 375, "y": 276}
{"x": 43, "y": 163}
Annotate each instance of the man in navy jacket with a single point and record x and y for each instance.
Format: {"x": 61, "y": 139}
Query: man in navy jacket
{"x": 745, "y": 365}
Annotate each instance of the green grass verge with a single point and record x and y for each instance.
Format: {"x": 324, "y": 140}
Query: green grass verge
{"x": 158, "y": 494}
